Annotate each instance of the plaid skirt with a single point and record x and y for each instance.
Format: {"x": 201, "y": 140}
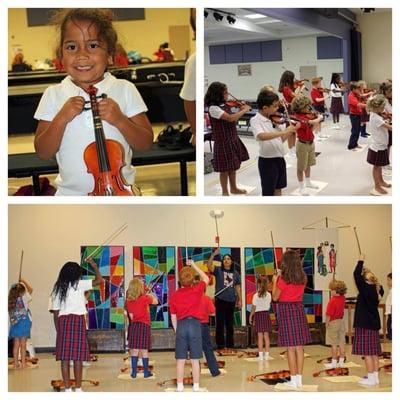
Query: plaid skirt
{"x": 336, "y": 105}
{"x": 139, "y": 336}
{"x": 379, "y": 158}
{"x": 366, "y": 342}
{"x": 229, "y": 154}
{"x": 71, "y": 342}
{"x": 262, "y": 322}
{"x": 293, "y": 327}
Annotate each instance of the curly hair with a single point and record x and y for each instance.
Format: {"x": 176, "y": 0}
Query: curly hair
{"x": 69, "y": 275}
{"x": 16, "y": 290}
{"x": 101, "y": 18}
{"x": 135, "y": 289}
{"x": 376, "y": 103}
{"x": 215, "y": 94}
{"x": 187, "y": 276}
{"x": 300, "y": 102}
{"x": 287, "y": 79}
{"x": 292, "y": 269}
{"x": 338, "y": 286}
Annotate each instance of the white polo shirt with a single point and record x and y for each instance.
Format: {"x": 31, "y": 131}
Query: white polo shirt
{"x": 379, "y": 134}
{"x": 262, "y": 303}
{"x": 188, "y": 91}
{"x": 73, "y": 178}
{"x": 268, "y": 148}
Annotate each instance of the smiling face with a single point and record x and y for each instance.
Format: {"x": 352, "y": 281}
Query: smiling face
{"x": 84, "y": 54}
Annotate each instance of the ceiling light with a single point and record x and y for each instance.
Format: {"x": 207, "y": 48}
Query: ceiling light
{"x": 255, "y": 16}
{"x": 230, "y": 19}
{"x": 218, "y": 17}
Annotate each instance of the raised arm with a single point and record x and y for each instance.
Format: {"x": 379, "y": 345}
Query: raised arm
{"x": 276, "y": 292}
{"x": 27, "y": 285}
{"x": 202, "y": 274}
{"x": 358, "y": 278}
{"x": 210, "y": 262}
{"x": 98, "y": 278}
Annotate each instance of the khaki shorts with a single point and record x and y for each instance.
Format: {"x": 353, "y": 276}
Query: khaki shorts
{"x": 305, "y": 153}
{"x": 335, "y": 332}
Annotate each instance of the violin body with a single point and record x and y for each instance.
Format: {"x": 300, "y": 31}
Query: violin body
{"x": 187, "y": 380}
{"x": 248, "y": 354}
{"x": 332, "y": 372}
{"x": 226, "y": 352}
{"x": 220, "y": 363}
{"x": 276, "y": 375}
{"x": 327, "y": 360}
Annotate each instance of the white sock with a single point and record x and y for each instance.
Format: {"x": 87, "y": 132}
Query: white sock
{"x": 293, "y": 379}
{"x": 376, "y": 376}
{"x": 260, "y": 354}
{"x": 78, "y": 390}
{"x": 68, "y": 390}
{"x": 196, "y": 387}
{"x": 302, "y": 184}
{"x": 299, "y": 380}
{"x": 341, "y": 361}
{"x": 334, "y": 362}
{"x": 371, "y": 376}
{"x": 179, "y": 386}
{"x": 266, "y": 354}
{"x": 308, "y": 181}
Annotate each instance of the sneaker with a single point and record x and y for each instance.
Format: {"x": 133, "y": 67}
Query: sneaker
{"x": 291, "y": 385}
{"x": 312, "y": 185}
{"x": 78, "y": 390}
{"x": 267, "y": 357}
{"x": 367, "y": 382}
{"x": 337, "y": 127}
{"x": 260, "y": 358}
{"x": 330, "y": 365}
{"x": 303, "y": 192}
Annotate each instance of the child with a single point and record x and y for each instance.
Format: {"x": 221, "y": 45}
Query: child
{"x": 229, "y": 150}
{"x": 185, "y": 317}
{"x": 318, "y": 100}
{"x": 336, "y": 99}
{"x": 365, "y": 95}
{"x": 20, "y": 320}
{"x": 386, "y": 89}
{"x": 378, "y": 149}
{"x": 259, "y": 316}
{"x": 367, "y": 322}
{"x": 69, "y": 308}
{"x": 137, "y": 306}
{"x": 356, "y": 107}
{"x": 388, "y": 306}
{"x": 86, "y": 47}
{"x": 293, "y": 331}
{"x": 207, "y": 308}
{"x": 286, "y": 87}
{"x": 335, "y": 329}
{"x": 305, "y": 146}
{"x": 271, "y": 161}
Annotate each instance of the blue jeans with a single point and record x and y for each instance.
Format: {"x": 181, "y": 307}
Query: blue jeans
{"x": 355, "y": 131}
{"x": 208, "y": 350}
{"x": 188, "y": 338}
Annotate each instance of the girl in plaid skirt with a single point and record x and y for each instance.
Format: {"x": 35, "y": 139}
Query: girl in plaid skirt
{"x": 69, "y": 309}
{"x": 259, "y": 317}
{"x": 367, "y": 322}
{"x": 137, "y": 306}
{"x": 229, "y": 150}
{"x": 293, "y": 331}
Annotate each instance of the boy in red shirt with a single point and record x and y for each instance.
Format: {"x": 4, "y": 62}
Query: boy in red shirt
{"x": 305, "y": 146}
{"x": 355, "y": 110}
{"x": 185, "y": 308}
{"x": 318, "y": 100}
{"x": 335, "y": 329}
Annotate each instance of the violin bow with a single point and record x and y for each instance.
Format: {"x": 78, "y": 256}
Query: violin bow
{"x": 273, "y": 249}
{"x": 358, "y": 241}
{"x": 108, "y": 240}
{"x": 186, "y": 248}
{"x": 20, "y": 265}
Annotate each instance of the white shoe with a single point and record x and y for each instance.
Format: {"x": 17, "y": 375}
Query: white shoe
{"x": 374, "y": 192}
{"x": 260, "y": 358}
{"x": 291, "y": 385}
{"x": 337, "y": 127}
{"x": 367, "y": 382}
{"x": 312, "y": 185}
{"x": 267, "y": 358}
{"x": 86, "y": 364}
{"x": 330, "y": 365}
{"x": 78, "y": 390}
{"x": 303, "y": 191}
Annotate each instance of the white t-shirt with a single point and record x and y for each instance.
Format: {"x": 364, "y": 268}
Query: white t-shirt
{"x": 75, "y": 301}
{"x": 388, "y": 106}
{"x": 388, "y": 303}
{"x": 73, "y": 178}
{"x": 335, "y": 94}
{"x": 262, "y": 303}
{"x": 268, "y": 148}
{"x": 379, "y": 134}
{"x": 215, "y": 112}
{"x": 188, "y": 91}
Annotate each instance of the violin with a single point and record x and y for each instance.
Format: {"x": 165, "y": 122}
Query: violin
{"x": 104, "y": 158}
{"x": 299, "y": 83}
{"x": 58, "y": 384}
{"x": 187, "y": 380}
{"x": 94, "y": 358}
{"x": 339, "y": 371}
{"x": 386, "y": 368}
{"x": 280, "y": 119}
{"x": 234, "y": 102}
{"x": 387, "y": 116}
{"x": 226, "y": 352}
{"x": 327, "y": 360}
{"x": 323, "y": 90}
{"x": 283, "y": 374}
{"x": 248, "y": 354}
{"x": 220, "y": 363}
{"x": 386, "y": 355}
{"x": 139, "y": 369}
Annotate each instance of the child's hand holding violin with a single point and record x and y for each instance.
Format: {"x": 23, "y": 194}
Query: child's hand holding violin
{"x": 71, "y": 108}
{"x": 110, "y": 112}
{"x": 245, "y": 107}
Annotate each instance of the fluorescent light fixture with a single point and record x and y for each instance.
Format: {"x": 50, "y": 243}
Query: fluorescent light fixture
{"x": 255, "y": 16}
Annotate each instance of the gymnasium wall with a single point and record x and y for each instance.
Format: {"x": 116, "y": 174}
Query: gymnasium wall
{"x": 296, "y": 52}
{"x": 144, "y": 36}
{"x": 50, "y": 235}
{"x": 376, "y": 31}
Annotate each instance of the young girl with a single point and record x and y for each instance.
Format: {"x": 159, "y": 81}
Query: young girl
{"x": 365, "y": 95}
{"x": 286, "y": 87}
{"x": 305, "y": 146}
{"x": 86, "y": 47}
{"x": 378, "y": 149}
{"x": 335, "y": 329}
{"x": 293, "y": 332}
{"x": 259, "y": 316}
{"x": 229, "y": 150}
{"x": 137, "y": 306}
{"x": 386, "y": 89}
{"x": 185, "y": 308}
{"x": 336, "y": 99}
{"x": 20, "y": 320}
{"x": 367, "y": 322}
{"x": 69, "y": 309}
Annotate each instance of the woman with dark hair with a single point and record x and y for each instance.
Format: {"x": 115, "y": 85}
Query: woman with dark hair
{"x": 227, "y": 296}
{"x": 69, "y": 309}
{"x": 336, "y": 95}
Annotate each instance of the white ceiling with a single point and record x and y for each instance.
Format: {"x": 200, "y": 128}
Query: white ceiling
{"x": 245, "y": 29}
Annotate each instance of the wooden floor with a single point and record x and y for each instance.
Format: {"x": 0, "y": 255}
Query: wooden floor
{"x": 107, "y": 369}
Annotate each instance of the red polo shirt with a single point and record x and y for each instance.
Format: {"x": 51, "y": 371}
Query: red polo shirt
{"x": 138, "y": 309}
{"x": 305, "y": 132}
{"x": 287, "y": 93}
{"x": 207, "y": 308}
{"x": 335, "y": 307}
{"x": 289, "y": 291}
{"x": 316, "y": 94}
{"x": 185, "y": 302}
{"x": 353, "y": 104}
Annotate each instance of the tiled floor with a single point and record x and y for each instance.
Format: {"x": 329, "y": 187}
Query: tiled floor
{"x": 345, "y": 172}
{"x": 107, "y": 369}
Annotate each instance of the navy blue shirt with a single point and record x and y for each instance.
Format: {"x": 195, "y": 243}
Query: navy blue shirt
{"x": 224, "y": 278}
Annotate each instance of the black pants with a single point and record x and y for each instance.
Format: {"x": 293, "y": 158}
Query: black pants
{"x": 355, "y": 131}
{"x": 389, "y": 326}
{"x": 224, "y": 320}
{"x": 272, "y": 174}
